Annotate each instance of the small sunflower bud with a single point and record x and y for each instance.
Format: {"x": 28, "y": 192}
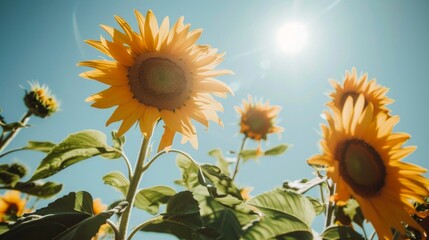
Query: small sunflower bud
{"x": 40, "y": 101}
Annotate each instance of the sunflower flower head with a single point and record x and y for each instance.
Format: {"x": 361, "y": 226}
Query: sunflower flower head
{"x": 258, "y": 119}
{"x": 157, "y": 73}
{"x": 363, "y": 157}
{"x": 11, "y": 206}
{"x": 354, "y": 86}
{"x": 98, "y": 207}
{"x": 40, "y": 101}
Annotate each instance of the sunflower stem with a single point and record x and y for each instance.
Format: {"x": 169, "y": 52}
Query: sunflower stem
{"x": 142, "y": 225}
{"x": 11, "y": 135}
{"x": 238, "y": 158}
{"x": 134, "y": 183}
{"x": 330, "y": 212}
{"x": 11, "y": 151}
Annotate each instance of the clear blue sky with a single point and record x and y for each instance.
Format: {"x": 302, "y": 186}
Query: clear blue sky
{"x": 43, "y": 40}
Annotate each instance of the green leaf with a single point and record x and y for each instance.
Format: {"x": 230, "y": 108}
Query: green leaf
{"x": 182, "y": 203}
{"x": 287, "y": 202}
{"x": 341, "y": 233}
{"x": 274, "y": 224}
{"x": 248, "y": 154}
{"x": 222, "y": 163}
{"x": 75, "y": 148}
{"x": 57, "y": 217}
{"x": 11, "y": 174}
{"x": 227, "y": 216}
{"x": 117, "y": 180}
{"x": 277, "y": 150}
{"x": 40, "y": 146}
{"x": 182, "y": 219}
{"x": 73, "y": 202}
{"x": 298, "y": 235}
{"x": 42, "y": 190}
{"x": 87, "y": 228}
{"x": 17, "y": 169}
{"x": 317, "y": 205}
{"x": 350, "y": 212}
{"x": 210, "y": 176}
{"x": 149, "y": 199}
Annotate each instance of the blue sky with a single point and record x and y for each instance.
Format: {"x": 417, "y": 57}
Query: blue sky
{"x": 43, "y": 40}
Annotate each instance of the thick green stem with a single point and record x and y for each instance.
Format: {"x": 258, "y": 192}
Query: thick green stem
{"x": 238, "y": 158}
{"x": 11, "y": 135}
{"x": 134, "y": 183}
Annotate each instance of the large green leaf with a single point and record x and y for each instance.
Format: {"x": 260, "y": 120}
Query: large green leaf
{"x": 41, "y": 190}
{"x": 210, "y": 205}
{"x": 274, "y": 224}
{"x": 284, "y": 212}
{"x": 341, "y": 233}
{"x": 222, "y": 163}
{"x": 87, "y": 228}
{"x": 75, "y": 148}
{"x": 57, "y": 217}
{"x": 287, "y": 202}
{"x": 149, "y": 199}
{"x": 40, "y": 146}
{"x": 220, "y": 217}
{"x": 117, "y": 180}
{"x": 182, "y": 219}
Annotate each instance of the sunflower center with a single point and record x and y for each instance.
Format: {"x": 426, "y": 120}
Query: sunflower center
{"x": 12, "y": 210}
{"x": 258, "y": 123}
{"x": 361, "y": 167}
{"x": 159, "y": 82}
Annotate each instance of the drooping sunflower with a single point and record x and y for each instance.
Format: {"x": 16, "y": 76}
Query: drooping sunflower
{"x": 352, "y": 86}
{"x": 11, "y": 206}
{"x": 258, "y": 119}
{"x": 158, "y": 74}
{"x": 363, "y": 157}
{"x": 40, "y": 101}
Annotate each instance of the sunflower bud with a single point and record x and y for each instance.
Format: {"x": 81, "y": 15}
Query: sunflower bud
{"x": 40, "y": 101}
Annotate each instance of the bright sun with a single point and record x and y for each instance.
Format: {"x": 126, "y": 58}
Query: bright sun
{"x": 292, "y": 37}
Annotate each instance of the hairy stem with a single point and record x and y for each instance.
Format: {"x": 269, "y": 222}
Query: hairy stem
{"x": 134, "y": 183}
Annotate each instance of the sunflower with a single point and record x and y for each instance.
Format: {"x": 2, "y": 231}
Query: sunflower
{"x": 258, "y": 119}
{"x": 11, "y": 206}
{"x": 353, "y": 87}
{"x": 98, "y": 207}
{"x": 158, "y": 74}
{"x": 40, "y": 101}
{"x": 363, "y": 157}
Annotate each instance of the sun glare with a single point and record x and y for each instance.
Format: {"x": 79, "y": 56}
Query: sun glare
{"x": 292, "y": 37}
